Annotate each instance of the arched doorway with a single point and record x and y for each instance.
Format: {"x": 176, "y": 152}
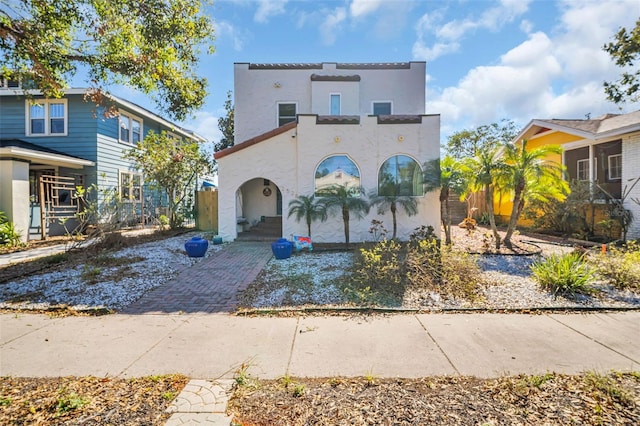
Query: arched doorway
{"x": 259, "y": 210}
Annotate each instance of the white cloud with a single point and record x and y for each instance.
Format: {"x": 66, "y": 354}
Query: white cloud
{"x": 205, "y": 124}
{"x": 331, "y": 25}
{"x": 447, "y": 36}
{"x": 526, "y": 26}
{"x": 360, "y": 8}
{"x": 557, "y": 74}
{"x": 426, "y": 53}
{"x": 269, "y": 8}
{"x": 224, "y": 30}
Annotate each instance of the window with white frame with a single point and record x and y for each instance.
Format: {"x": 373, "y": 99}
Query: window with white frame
{"x": 6, "y": 83}
{"x": 130, "y": 129}
{"x": 381, "y": 108}
{"x": 131, "y": 187}
{"x": 286, "y": 113}
{"x": 583, "y": 169}
{"x": 46, "y": 117}
{"x": 615, "y": 167}
{"x": 335, "y": 104}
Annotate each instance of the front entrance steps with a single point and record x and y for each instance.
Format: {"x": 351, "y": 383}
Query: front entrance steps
{"x": 269, "y": 229}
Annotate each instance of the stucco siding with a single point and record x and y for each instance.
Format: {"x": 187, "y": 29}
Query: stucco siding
{"x": 274, "y": 159}
{"x": 290, "y": 160}
{"x": 257, "y": 92}
{"x": 631, "y": 172}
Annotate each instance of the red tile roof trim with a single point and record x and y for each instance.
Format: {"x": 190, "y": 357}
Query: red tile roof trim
{"x": 255, "y": 140}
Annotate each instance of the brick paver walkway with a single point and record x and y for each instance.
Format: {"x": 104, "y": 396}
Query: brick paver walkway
{"x": 210, "y": 285}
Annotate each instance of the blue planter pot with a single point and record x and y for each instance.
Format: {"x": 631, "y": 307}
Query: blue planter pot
{"x": 196, "y": 247}
{"x": 282, "y": 248}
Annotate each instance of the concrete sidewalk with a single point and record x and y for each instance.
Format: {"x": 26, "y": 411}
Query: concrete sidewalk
{"x": 213, "y": 346}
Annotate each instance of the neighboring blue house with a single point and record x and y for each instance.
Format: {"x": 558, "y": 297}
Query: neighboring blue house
{"x": 48, "y": 146}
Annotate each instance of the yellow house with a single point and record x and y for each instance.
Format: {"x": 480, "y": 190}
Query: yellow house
{"x": 604, "y": 150}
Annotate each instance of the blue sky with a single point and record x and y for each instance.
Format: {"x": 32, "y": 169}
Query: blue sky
{"x": 486, "y": 60}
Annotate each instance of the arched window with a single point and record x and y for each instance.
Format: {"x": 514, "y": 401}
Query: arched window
{"x": 337, "y": 170}
{"x": 400, "y": 175}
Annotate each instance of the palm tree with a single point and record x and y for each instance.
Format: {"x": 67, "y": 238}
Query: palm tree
{"x": 531, "y": 175}
{"x": 309, "y": 208}
{"x": 392, "y": 202}
{"x": 344, "y": 199}
{"x": 485, "y": 171}
{"x": 448, "y": 175}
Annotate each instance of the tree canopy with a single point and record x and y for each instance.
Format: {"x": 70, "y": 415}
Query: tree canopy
{"x": 150, "y": 45}
{"x": 466, "y": 143}
{"x": 172, "y": 165}
{"x": 625, "y": 51}
{"x": 226, "y": 126}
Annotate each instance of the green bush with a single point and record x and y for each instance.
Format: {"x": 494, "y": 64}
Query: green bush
{"x": 621, "y": 266}
{"x": 9, "y": 235}
{"x": 383, "y": 271}
{"x": 567, "y": 274}
{"x": 378, "y": 275}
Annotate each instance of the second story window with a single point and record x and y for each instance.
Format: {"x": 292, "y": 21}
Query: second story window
{"x": 47, "y": 117}
{"x": 335, "y": 104}
{"x": 286, "y": 113}
{"x": 6, "y": 83}
{"x": 130, "y": 129}
{"x": 381, "y": 108}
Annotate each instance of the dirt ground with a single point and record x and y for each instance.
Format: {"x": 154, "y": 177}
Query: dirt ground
{"x": 87, "y": 400}
{"x": 549, "y": 399}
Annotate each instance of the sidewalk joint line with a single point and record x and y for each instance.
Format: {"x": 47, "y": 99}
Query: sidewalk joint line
{"x": 180, "y": 324}
{"x": 293, "y": 343}
{"x": 594, "y": 340}
{"x": 29, "y": 332}
{"x": 438, "y": 346}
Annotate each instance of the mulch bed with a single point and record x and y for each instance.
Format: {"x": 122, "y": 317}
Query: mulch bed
{"x": 87, "y": 400}
{"x": 548, "y": 399}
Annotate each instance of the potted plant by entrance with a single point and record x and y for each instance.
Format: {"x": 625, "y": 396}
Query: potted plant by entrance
{"x": 196, "y": 247}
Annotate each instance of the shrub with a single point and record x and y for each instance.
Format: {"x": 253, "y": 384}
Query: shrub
{"x": 451, "y": 273}
{"x": 621, "y": 266}
{"x": 9, "y": 235}
{"x": 380, "y": 265}
{"x": 567, "y": 274}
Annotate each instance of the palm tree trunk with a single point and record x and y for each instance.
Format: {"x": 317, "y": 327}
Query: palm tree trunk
{"x": 395, "y": 224}
{"x": 309, "y": 228}
{"x": 445, "y": 215}
{"x": 488, "y": 196}
{"x": 515, "y": 213}
{"x": 513, "y": 219}
{"x": 345, "y": 219}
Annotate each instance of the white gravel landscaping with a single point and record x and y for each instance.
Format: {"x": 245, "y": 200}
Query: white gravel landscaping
{"x": 305, "y": 279}
{"x": 162, "y": 260}
{"x": 511, "y": 286}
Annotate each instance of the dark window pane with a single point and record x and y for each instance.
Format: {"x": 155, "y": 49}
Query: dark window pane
{"x": 37, "y": 126}
{"x": 287, "y": 110}
{"x": 381, "y": 108}
{"x": 57, "y": 125}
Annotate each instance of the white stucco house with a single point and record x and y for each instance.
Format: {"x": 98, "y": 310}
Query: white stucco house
{"x": 299, "y": 127}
